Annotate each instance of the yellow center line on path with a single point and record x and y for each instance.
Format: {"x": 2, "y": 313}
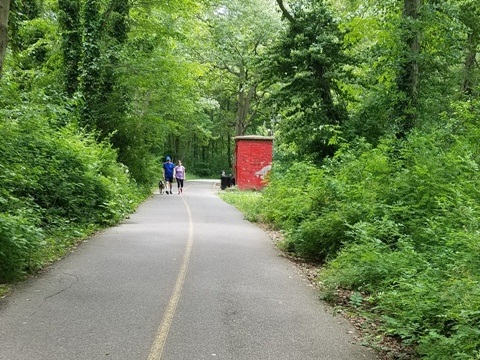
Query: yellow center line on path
{"x": 161, "y": 337}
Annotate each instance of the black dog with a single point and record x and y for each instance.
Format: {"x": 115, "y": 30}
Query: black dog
{"x": 161, "y": 186}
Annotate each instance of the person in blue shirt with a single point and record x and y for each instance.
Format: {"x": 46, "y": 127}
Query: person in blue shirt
{"x": 168, "y": 168}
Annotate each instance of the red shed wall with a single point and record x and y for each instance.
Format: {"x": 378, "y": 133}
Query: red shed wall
{"x": 253, "y": 159}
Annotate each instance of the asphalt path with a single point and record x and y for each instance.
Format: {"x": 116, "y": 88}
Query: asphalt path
{"x": 184, "y": 278}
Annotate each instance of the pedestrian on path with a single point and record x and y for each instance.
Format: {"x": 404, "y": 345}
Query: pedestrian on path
{"x": 179, "y": 174}
{"x": 168, "y": 169}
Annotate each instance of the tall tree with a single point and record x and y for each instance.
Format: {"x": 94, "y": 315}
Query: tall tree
{"x": 91, "y": 64}
{"x": 306, "y": 63}
{"x": 470, "y": 17}
{"x": 408, "y": 76}
{"x": 4, "y": 11}
{"x": 70, "y": 25}
{"x": 161, "y": 79}
{"x": 241, "y": 31}
{"x": 105, "y": 34}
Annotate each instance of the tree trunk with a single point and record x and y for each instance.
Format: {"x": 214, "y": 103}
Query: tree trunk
{"x": 239, "y": 119}
{"x": 409, "y": 72}
{"x": 412, "y": 10}
{"x": 229, "y": 151}
{"x": 90, "y": 81}
{"x": 70, "y": 25}
{"x": 472, "y": 45}
{"x": 4, "y": 10}
{"x": 285, "y": 12}
{"x": 244, "y": 99}
{"x": 244, "y": 118}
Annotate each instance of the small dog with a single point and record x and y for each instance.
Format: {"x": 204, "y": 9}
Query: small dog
{"x": 161, "y": 187}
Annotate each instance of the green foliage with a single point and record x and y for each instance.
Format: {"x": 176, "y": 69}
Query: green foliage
{"x": 203, "y": 169}
{"x": 318, "y": 206}
{"x": 398, "y": 223}
{"x": 19, "y": 239}
{"x": 20, "y": 12}
{"x": 53, "y": 179}
{"x": 161, "y": 90}
{"x": 292, "y": 191}
{"x": 70, "y": 26}
{"x": 420, "y": 261}
{"x": 306, "y": 61}
{"x": 91, "y": 75}
{"x": 377, "y": 265}
{"x": 239, "y": 33}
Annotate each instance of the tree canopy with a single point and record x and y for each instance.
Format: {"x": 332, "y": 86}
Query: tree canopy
{"x": 374, "y": 106}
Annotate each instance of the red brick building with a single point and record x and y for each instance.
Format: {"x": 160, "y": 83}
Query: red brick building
{"x": 253, "y": 160}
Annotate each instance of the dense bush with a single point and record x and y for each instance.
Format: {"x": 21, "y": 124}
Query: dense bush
{"x": 19, "y": 239}
{"x": 290, "y": 192}
{"x": 398, "y": 223}
{"x": 317, "y": 206}
{"x": 53, "y": 179}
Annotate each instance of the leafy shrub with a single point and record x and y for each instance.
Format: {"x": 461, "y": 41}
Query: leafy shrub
{"x": 288, "y": 200}
{"x": 419, "y": 261}
{"x": 398, "y": 222}
{"x": 317, "y": 213}
{"x": 376, "y": 264}
{"x": 318, "y": 238}
{"x": 54, "y": 179}
{"x": 19, "y": 239}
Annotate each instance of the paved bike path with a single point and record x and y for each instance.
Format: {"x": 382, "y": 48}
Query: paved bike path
{"x": 185, "y": 277}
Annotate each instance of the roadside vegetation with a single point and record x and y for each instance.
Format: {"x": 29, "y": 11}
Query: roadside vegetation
{"x": 58, "y": 186}
{"x": 396, "y": 229}
{"x": 374, "y": 106}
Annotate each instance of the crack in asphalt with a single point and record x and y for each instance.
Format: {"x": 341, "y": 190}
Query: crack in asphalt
{"x": 57, "y": 293}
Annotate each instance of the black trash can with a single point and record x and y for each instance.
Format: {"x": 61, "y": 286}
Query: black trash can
{"x": 225, "y": 181}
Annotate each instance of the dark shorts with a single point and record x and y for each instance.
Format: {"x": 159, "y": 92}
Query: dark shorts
{"x": 169, "y": 179}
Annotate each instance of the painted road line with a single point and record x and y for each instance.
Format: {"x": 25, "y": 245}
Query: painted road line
{"x": 161, "y": 337}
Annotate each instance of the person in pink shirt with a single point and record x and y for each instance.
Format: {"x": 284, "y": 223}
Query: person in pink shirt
{"x": 179, "y": 174}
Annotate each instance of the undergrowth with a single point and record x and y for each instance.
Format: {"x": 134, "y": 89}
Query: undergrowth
{"x": 57, "y": 186}
{"x": 397, "y": 226}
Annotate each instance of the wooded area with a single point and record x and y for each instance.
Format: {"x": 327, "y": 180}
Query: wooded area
{"x": 374, "y": 106}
